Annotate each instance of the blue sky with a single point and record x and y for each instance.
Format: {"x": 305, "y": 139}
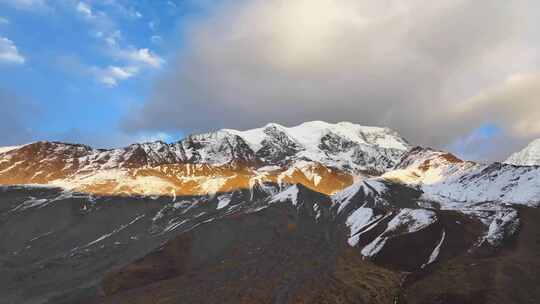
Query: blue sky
{"x": 79, "y": 66}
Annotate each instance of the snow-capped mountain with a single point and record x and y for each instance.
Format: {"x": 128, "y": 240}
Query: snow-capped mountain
{"x": 529, "y": 156}
{"x": 444, "y": 178}
{"x": 317, "y": 213}
{"x": 323, "y": 156}
{"x": 344, "y": 145}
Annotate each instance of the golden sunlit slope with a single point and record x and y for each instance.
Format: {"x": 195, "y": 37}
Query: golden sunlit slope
{"x": 43, "y": 163}
{"x": 201, "y": 179}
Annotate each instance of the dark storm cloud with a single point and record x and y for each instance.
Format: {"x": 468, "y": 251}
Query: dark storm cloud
{"x": 410, "y": 65}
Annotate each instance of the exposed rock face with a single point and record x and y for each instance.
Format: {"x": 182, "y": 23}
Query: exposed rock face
{"x": 318, "y": 213}
{"x": 216, "y": 148}
{"x": 277, "y": 148}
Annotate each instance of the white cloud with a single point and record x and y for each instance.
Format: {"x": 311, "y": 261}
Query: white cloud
{"x": 111, "y": 75}
{"x": 9, "y": 52}
{"x": 113, "y": 38}
{"x": 123, "y": 10}
{"x": 152, "y": 137}
{"x": 136, "y": 61}
{"x": 144, "y": 56}
{"x": 398, "y": 63}
{"x": 30, "y": 5}
{"x": 130, "y": 60}
{"x": 156, "y": 39}
{"x": 147, "y": 57}
{"x": 514, "y": 104}
{"x": 85, "y": 10}
{"x": 98, "y": 19}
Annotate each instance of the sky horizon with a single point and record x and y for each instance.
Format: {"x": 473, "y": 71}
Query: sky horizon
{"x": 458, "y": 75}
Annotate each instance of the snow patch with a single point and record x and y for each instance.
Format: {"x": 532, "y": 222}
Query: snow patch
{"x": 358, "y": 220}
{"x": 504, "y": 224}
{"x": 370, "y": 188}
{"x": 31, "y": 203}
{"x": 290, "y": 194}
{"x": 406, "y": 221}
{"x": 7, "y": 149}
{"x": 172, "y": 226}
{"x": 107, "y": 235}
{"x": 436, "y": 251}
{"x": 223, "y": 201}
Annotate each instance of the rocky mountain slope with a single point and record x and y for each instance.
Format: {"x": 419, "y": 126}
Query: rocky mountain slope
{"x": 325, "y": 157}
{"x": 318, "y": 213}
{"x": 529, "y": 156}
{"x": 448, "y": 180}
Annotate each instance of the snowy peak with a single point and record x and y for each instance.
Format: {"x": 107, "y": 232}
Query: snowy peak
{"x": 344, "y": 145}
{"x": 6, "y": 149}
{"x": 529, "y": 156}
{"x": 215, "y": 148}
{"x": 444, "y": 178}
{"x": 322, "y": 156}
{"x": 418, "y": 156}
{"x": 425, "y": 166}
{"x": 309, "y": 134}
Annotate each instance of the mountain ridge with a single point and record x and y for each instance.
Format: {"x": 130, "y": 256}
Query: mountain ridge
{"x": 272, "y": 153}
{"x": 528, "y": 156}
{"x": 281, "y": 215}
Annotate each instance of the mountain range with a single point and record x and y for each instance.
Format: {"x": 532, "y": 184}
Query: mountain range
{"x": 319, "y": 155}
{"x": 316, "y": 213}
